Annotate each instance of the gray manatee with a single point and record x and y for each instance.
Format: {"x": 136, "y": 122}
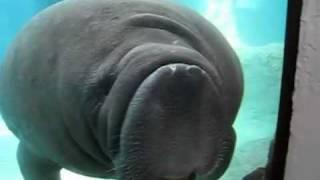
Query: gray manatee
{"x": 128, "y": 89}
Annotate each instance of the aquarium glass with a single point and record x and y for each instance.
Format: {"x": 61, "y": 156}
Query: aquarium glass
{"x": 254, "y": 28}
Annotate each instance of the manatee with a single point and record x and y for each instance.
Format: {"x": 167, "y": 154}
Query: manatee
{"x": 127, "y": 89}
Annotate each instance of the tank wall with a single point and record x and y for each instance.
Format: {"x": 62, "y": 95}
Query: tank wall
{"x": 303, "y": 156}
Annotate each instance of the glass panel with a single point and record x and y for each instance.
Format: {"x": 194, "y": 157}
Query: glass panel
{"x": 255, "y": 30}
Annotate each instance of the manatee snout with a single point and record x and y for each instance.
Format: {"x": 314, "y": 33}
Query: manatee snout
{"x": 171, "y": 128}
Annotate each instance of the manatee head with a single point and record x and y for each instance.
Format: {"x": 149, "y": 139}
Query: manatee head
{"x": 167, "y": 119}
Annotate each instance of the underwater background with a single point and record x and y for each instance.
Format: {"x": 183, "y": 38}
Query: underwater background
{"x": 254, "y": 28}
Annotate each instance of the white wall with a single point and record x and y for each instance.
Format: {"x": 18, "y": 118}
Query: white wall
{"x": 303, "y": 162}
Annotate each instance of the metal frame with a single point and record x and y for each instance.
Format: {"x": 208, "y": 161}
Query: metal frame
{"x": 279, "y": 156}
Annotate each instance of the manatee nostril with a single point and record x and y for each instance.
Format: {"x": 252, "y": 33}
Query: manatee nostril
{"x": 173, "y": 67}
{"x": 194, "y": 70}
{"x": 184, "y": 69}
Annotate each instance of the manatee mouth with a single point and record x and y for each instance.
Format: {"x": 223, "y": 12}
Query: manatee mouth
{"x": 171, "y": 127}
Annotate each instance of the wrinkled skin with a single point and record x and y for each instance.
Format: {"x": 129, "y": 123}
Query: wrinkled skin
{"x": 138, "y": 89}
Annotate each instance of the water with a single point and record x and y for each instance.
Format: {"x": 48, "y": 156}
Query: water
{"x": 255, "y": 29}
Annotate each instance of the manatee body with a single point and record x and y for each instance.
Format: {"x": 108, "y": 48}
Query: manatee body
{"x": 133, "y": 89}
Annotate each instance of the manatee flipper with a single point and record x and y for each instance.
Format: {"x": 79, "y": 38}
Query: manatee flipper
{"x": 33, "y": 167}
{"x": 224, "y": 158}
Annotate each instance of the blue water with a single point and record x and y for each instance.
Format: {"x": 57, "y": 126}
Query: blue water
{"x": 265, "y": 18}
{"x": 254, "y": 28}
